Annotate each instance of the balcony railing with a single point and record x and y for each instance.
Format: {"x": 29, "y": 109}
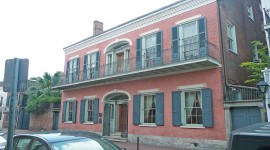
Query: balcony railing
{"x": 242, "y": 93}
{"x": 150, "y": 59}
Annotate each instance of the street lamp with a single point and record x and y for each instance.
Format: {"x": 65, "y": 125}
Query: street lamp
{"x": 263, "y": 87}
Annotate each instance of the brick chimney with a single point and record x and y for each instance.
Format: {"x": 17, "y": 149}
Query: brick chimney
{"x": 98, "y": 27}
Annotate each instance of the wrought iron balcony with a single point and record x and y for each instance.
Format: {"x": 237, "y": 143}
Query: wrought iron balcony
{"x": 190, "y": 57}
{"x": 236, "y": 93}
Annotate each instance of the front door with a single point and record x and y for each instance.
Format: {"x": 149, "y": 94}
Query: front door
{"x": 123, "y": 119}
{"x": 120, "y": 62}
{"x": 55, "y": 120}
{"x": 112, "y": 118}
{"x": 106, "y": 120}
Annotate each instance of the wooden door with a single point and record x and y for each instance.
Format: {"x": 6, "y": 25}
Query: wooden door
{"x": 120, "y": 62}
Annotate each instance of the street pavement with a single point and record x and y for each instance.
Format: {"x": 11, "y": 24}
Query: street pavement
{"x": 128, "y": 146}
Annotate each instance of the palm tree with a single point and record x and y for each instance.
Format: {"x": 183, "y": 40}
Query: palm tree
{"x": 41, "y": 94}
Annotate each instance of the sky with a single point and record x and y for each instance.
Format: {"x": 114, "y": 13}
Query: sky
{"x": 39, "y": 29}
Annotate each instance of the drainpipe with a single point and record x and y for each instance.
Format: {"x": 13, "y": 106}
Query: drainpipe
{"x": 224, "y": 64}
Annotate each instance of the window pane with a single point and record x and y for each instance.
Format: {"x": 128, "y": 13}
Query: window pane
{"x": 37, "y": 145}
{"x": 193, "y": 110}
{"x": 149, "y": 109}
{"x": 22, "y": 143}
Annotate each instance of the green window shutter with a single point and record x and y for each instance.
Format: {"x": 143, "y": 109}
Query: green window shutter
{"x": 85, "y": 67}
{"x": 175, "y": 44}
{"x": 136, "y": 109}
{"x": 160, "y": 109}
{"x": 97, "y": 64}
{"x": 176, "y": 108}
{"x": 96, "y": 110}
{"x": 64, "y": 112}
{"x": 82, "y": 111}
{"x": 77, "y": 70}
{"x": 74, "y": 111}
{"x": 67, "y": 72}
{"x": 202, "y": 37}
{"x": 159, "y": 48}
{"x": 139, "y": 53}
{"x": 207, "y": 111}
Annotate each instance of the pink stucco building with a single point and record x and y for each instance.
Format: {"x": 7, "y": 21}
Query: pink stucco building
{"x": 162, "y": 76}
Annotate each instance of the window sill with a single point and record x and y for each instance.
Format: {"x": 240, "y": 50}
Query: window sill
{"x": 192, "y": 127}
{"x": 89, "y": 123}
{"x": 147, "y": 125}
{"x": 235, "y": 53}
{"x": 68, "y": 122}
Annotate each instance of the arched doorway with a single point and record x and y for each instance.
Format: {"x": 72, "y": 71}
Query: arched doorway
{"x": 115, "y": 119}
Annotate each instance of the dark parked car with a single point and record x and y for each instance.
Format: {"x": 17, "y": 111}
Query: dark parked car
{"x": 63, "y": 140}
{"x": 253, "y": 137}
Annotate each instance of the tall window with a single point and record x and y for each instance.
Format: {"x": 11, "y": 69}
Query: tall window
{"x": 192, "y": 108}
{"x": 90, "y": 66}
{"x": 72, "y": 73}
{"x": 189, "y": 39}
{"x": 231, "y": 38}
{"x": 148, "y": 109}
{"x": 70, "y": 111}
{"x": 89, "y": 107}
{"x": 150, "y": 50}
{"x": 250, "y": 11}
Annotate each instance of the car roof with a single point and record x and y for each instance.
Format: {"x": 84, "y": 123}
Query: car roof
{"x": 58, "y": 136}
{"x": 259, "y": 129}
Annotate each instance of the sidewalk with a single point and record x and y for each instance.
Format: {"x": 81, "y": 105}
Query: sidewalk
{"x": 133, "y": 146}
{"x": 128, "y": 146}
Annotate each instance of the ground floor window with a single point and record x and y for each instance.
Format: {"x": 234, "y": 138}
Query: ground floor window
{"x": 148, "y": 107}
{"x": 192, "y": 107}
{"x": 69, "y": 111}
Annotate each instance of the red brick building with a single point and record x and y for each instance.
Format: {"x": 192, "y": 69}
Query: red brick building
{"x": 164, "y": 76}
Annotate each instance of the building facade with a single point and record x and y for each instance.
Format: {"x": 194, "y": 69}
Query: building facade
{"x": 164, "y": 77}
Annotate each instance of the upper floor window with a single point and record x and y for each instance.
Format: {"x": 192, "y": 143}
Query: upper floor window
{"x": 231, "y": 38}
{"x": 91, "y": 66}
{"x": 149, "y": 50}
{"x": 72, "y": 71}
{"x": 189, "y": 40}
{"x": 117, "y": 58}
{"x": 69, "y": 111}
{"x": 250, "y": 11}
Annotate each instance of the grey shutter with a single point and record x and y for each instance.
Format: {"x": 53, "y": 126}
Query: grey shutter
{"x": 175, "y": 44}
{"x": 136, "y": 109}
{"x": 77, "y": 70}
{"x": 85, "y": 65}
{"x": 139, "y": 53}
{"x": 159, "y": 48}
{"x": 67, "y": 72}
{"x": 96, "y": 110}
{"x": 97, "y": 65}
{"x": 207, "y": 107}
{"x": 74, "y": 111}
{"x": 64, "y": 112}
{"x": 82, "y": 111}
{"x": 176, "y": 108}
{"x": 202, "y": 37}
{"x": 160, "y": 109}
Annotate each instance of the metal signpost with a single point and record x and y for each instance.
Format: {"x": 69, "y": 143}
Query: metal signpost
{"x": 15, "y": 80}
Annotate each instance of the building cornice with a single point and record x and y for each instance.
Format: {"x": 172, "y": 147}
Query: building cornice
{"x": 151, "y": 18}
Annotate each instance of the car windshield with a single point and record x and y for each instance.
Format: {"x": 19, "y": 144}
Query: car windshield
{"x": 85, "y": 144}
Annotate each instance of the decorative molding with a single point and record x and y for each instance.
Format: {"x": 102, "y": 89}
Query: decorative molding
{"x": 149, "y": 32}
{"x": 115, "y": 91}
{"x": 188, "y": 19}
{"x": 71, "y": 99}
{"x": 92, "y": 51}
{"x": 151, "y": 18}
{"x": 77, "y": 56}
{"x": 194, "y": 86}
{"x": 90, "y": 97}
{"x": 150, "y": 91}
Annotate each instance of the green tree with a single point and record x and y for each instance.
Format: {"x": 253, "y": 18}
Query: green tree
{"x": 255, "y": 68}
{"x": 40, "y": 93}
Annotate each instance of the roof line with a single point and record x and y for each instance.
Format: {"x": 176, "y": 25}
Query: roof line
{"x": 152, "y": 12}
